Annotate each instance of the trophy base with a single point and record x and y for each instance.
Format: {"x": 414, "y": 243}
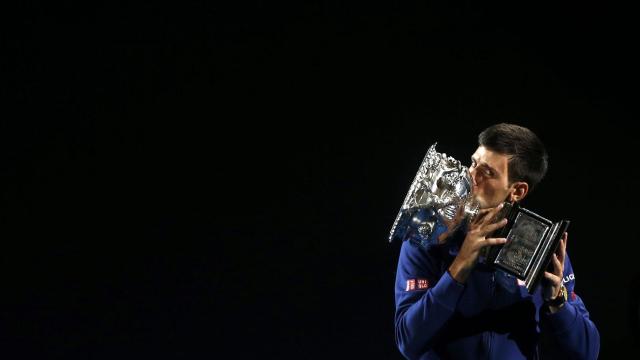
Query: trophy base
{"x": 531, "y": 242}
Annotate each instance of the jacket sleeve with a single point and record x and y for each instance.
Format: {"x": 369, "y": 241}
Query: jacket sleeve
{"x": 426, "y": 299}
{"x": 573, "y": 334}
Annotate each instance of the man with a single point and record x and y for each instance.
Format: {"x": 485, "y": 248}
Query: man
{"x": 464, "y": 309}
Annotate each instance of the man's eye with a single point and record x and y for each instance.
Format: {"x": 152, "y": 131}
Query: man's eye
{"x": 488, "y": 172}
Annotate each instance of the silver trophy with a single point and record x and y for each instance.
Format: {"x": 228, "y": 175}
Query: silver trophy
{"x": 439, "y": 198}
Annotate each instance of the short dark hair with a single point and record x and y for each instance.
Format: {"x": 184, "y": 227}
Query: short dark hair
{"x": 528, "y": 158}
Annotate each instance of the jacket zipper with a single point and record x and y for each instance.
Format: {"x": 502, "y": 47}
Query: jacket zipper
{"x": 493, "y": 294}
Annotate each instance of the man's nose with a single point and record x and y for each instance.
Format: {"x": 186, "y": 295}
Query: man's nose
{"x": 473, "y": 173}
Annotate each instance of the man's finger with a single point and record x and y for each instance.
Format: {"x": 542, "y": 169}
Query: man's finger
{"x": 557, "y": 265}
{"x": 563, "y": 247}
{"x": 491, "y": 215}
{"x": 481, "y": 214}
{"x": 493, "y": 241}
{"x": 555, "y": 280}
{"x": 493, "y": 227}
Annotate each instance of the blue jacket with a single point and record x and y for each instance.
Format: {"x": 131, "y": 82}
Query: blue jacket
{"x": 492, "y": 316}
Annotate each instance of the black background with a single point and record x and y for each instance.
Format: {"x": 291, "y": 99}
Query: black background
{"x": 198, "y": 180}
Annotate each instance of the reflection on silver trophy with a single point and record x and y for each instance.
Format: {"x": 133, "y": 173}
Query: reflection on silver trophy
{"x": 440, "y": 196}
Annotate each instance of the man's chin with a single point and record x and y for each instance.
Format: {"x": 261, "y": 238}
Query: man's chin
{"x": 482, "y": 204}
{"x": 485, "y": 205}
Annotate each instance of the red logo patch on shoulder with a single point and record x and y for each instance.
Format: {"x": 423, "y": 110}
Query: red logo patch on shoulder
{"x": 417, "y": 284}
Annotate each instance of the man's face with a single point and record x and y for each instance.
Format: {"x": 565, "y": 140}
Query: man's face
{"x": 489, "y": 171}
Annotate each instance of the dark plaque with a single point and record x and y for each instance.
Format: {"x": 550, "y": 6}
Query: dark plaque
{"x": 531, "y": 242}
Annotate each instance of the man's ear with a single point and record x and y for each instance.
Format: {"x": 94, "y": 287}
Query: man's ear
{"x": 519, "y": 191}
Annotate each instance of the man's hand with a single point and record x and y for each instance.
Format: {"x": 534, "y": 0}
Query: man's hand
{"x": 481, "y": 226}
{"x": 452, "y": 225}
{"x": 553, "y": 283}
